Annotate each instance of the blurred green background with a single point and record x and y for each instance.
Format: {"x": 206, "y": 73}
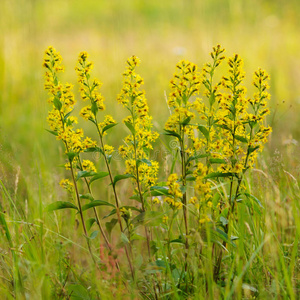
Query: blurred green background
{"x": 160, "y": 32}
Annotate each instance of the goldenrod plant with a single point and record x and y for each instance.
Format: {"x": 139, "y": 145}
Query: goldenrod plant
{"x": 180, "y": 232}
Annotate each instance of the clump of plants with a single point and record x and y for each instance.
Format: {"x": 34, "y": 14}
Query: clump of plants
{"x": 174, "y": 235}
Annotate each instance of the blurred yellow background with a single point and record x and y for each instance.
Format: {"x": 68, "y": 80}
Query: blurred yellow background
{"x": 265, "y": 33}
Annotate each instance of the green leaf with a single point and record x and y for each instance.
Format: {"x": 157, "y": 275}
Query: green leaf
{"x": 191, "y": 158}
{"x": 78, "y": 292}
{"x": 124, "y": 238}
{"x": 94, "y": 149}
{"x": 121, "y": 177}
{"x": 83, "y": 174}
{"x": 139, "y": 219}
{"x": 60, "y": 205}
{"x": 159, "y": 190}
{"x": 212, "y": 99}
{"x": 105, "y": 128}
{"x": 224, "y": 127}
{"x": 172, "y": 133}
{"x": 219, "y": 174}
{"x": 144, "y": 160}
{"x": 87, "y": 196}
{"x": 130, "y": 127}
{"x": 71, "y": 155}
{"x": 94, "y": 234}
{"x": 149, "y": 218}
{"x": 252, "y": 149}
{"x": 177, "y": 241}
{"x": 94, "y": 108}
{"x": 161, "y": 263}
{"x": 68, "y": 114}
{"x": 96, "y": 203}
{"x": 98, "y": 175}
{"x": 110, "y": 225}
{"x": 254, "y": 198}
{"x": 53, "y": 132}
{"x": 224, "y": 221}
{"x": 111, "y": 213}
{"x": 176, "y": 274}
{"x": 57, "y": 104}
{"x": 186, "y": 121}
{"x": 204, "y": 131}
{"x": 136, "y": 197}
{"x": 217, "y": 161}
{"x": 131, "y": 207}
{"x": 221, "y": 234}
{"x": 136, "y": 237}
{"x": 89, "y": 223}
{"x": 241, "y": 139}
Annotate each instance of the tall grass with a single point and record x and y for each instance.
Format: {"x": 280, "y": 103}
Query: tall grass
{"x": 42, "y": 254}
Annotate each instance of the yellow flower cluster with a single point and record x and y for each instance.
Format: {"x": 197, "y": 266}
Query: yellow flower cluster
{"x": 173, "y": 204}
{"x": 88, "y": 89}
{"x": 131, "y": 86}
{"x": 67, "y": 185}
{"x": 139, "y": 142}
{"x": 126, "y": 213}
{"x": 175, "y": 194}
{"x": 108, "y": 149}
{"x": 239, "y": 143}
{"x": 108, "y": 121}
{"x": 202, "y": 187}
{"x": 185, "y": 84}
{"x": 173, "y": 185}
{"x": 208, "y": 70}
{"x": 63, "y": 101}
{"x": 87, "y": 165}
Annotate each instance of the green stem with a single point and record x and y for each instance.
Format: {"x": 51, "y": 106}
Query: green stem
{"x": 99, "y": 222}
{"x": 116, "y": 201}
{"x": 184, "y": 202}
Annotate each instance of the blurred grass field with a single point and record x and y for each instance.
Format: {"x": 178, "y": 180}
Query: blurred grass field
{"x": 160, "y": 33}
{"x": 265, "y": 33}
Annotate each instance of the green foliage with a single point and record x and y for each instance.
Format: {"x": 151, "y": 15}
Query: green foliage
{"x": 211, "y": 228}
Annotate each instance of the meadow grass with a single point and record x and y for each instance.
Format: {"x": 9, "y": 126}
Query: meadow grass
{"x": 45, "y": 254}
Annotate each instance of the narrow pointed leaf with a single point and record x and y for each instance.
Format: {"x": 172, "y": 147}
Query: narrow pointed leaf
{"x": 172, "y": 133}
{"x": 89, "y": 223}
{"x": 159, "y": 190}
{"x": 110, "y": 225}
{"x": 121, "y": 177}
{"x": 87, "y": 196}
{"x": 94, "y": 234}
{"x": 186, "y": 121}
{"x": 241, "y": 139}
{"x": 105, "y": 128}
{"x": 60, "y": 205}
{"x": 191, "y": 158}
{"x": 53, "y": 132}
{"x": 219, "y": 174}
{"x": 252, "y": 149}
{"x": 111, "y": 213}
{"x": 83, "y": 174}
{"x": 96, "y": 203}
{"x": 98, "y": 175}
{"x": 72, "y": 155}
{"x": 130, "y": 127}
{"x": 67, "y": 115}
{"x": 204, "y": 131}
{"x": 217, "y": 161}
